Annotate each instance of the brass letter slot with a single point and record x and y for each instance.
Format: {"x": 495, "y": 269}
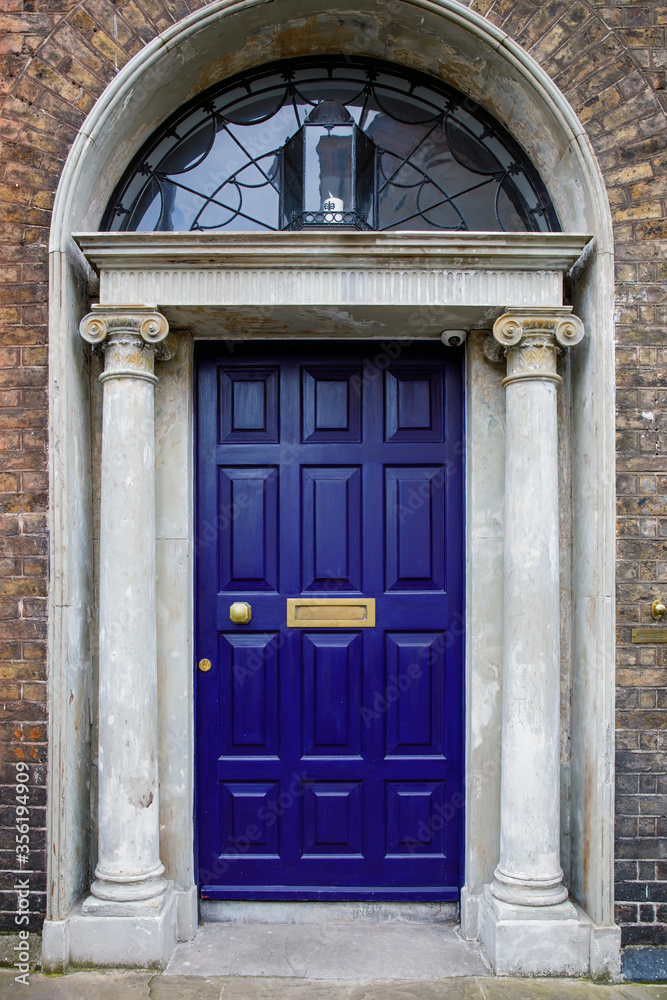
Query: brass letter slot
{"x": 331, "y": 612}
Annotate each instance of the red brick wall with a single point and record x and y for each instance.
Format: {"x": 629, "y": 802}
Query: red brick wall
{"x": 23, "y": 507}
{"x": 609, "y": 59}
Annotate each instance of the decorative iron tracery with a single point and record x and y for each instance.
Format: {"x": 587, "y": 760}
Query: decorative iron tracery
{"x": 443, "y": 163}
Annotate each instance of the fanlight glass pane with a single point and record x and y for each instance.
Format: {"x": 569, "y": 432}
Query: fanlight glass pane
{"x": 220, "y": 162}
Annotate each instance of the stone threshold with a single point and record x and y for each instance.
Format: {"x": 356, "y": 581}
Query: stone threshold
{"x": 319, "y": 912}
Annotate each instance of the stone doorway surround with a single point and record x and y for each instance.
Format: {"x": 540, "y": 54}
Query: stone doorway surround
{"x": 376, "y": 286}
{"x": 382, "y": 287}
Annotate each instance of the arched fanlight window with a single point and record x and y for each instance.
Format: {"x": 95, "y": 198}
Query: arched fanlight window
{"x": 343, "y": 142}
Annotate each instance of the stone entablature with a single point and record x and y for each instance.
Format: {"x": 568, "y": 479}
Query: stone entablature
{"x": 293, "y": 269}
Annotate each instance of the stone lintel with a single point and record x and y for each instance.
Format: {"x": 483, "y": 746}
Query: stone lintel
{"x": 268, "y": 282}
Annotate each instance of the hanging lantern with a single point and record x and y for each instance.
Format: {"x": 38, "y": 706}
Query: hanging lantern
{"x": 328, "y": 173}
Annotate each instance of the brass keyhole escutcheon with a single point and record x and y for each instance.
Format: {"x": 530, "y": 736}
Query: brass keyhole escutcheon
{"x": 240, "y": 612}
{"x": 205, "y": 666}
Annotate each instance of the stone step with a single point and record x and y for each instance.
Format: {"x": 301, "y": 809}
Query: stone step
{"x": 358, "y": 951}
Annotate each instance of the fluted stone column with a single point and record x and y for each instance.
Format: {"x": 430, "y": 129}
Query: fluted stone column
{"x": 529, "y": 871}
{"x": 128, "y": 868}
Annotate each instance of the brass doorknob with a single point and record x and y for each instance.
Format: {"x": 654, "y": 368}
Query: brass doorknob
{"x": 240, "y": 612}
{"x": 658, "y": 609}
{"x": 204, "y": 666}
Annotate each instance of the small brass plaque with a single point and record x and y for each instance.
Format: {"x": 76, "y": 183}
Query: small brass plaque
{"x": 331, "y": 612}
{"x": 649, "y": 635}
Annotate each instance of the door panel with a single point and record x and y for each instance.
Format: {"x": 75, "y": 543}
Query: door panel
{"x": 415, "y": 528}
{"x": 249, "y": 553}
{"x": 329, "y": 758}
{"x": 331, "y": 528}
{"x": 331, "y": 707}
{"x": 249, "y": 668}
{"x": 331, "y": 404}
{"x": 416, "y": 673}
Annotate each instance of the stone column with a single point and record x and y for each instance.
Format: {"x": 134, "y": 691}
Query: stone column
{"x": 128, "y": 868}
{"x": 529, "y": 871}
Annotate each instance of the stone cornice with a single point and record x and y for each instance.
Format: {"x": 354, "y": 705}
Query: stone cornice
{"x": 376, "y": 271}
{"x": 460, "y": 251}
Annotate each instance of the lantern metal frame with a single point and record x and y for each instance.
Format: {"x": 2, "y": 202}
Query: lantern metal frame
{"x": 329, "y": 117}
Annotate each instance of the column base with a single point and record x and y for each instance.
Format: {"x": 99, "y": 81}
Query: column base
{"x": 96, "y": 906}
{"x": 527, "y": 893}
{"x": 534, "y": 940}
{"x": 118, "y": 889}
{"x": 139, "y": 935}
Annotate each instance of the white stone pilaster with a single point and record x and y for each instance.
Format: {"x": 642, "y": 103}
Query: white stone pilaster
{"x": 525, "y": 910}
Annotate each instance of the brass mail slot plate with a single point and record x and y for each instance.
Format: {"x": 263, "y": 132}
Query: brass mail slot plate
{"x": 331, "y": 612}
{"x": 649, "y": 635}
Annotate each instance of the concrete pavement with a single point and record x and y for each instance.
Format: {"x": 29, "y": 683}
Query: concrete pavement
{"x": 154, "y": 986}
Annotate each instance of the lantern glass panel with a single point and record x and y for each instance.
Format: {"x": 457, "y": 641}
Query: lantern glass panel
{"x": 329, "y": 160}
{"x": 292, "y": 179}
{"x": 365, "y": 178}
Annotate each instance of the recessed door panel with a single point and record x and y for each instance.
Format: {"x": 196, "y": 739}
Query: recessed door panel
{"x": 416, "y": 676}
{"x": 414, "y": 404}
{"x": 415, "y": 817}
{"x": 415, "y": 527}
{"x": 248, "y": 518}
{"x": 248, "y": 407}
{"x": 331, "y": 403}
{"x": 249, "y": 818}
{"x": 248, "y": 668}
{"x": 331, "y": 666}
{"x": 329, "y": 601}
{"x": 331, "y": 520}
{"x": 332, "y": 818}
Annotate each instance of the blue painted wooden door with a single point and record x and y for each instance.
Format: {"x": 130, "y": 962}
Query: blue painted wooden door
{"x": 329, "y": 759}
